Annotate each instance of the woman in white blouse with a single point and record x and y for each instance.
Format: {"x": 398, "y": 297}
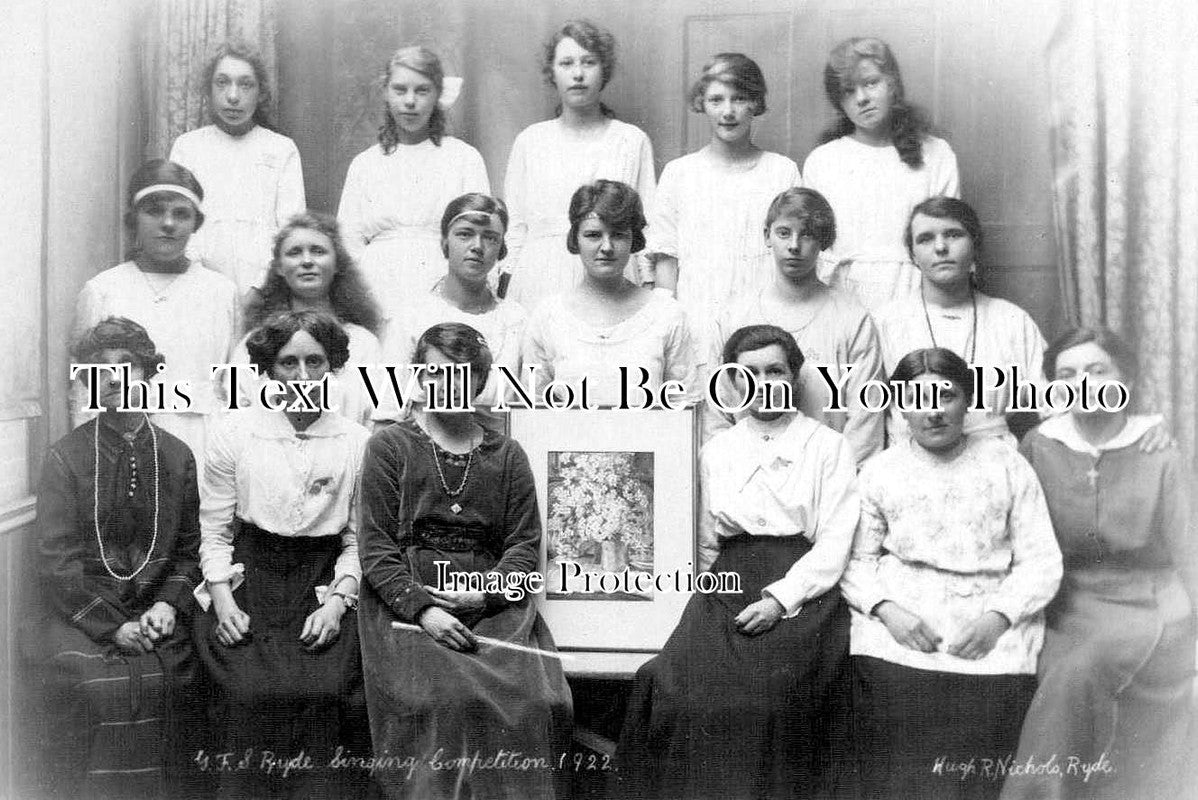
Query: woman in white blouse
{"x": 748, "y": 694}
{"x": 608, "y": 322}
{"x": 278, "y": 550}
{"x": 953, "y": 562}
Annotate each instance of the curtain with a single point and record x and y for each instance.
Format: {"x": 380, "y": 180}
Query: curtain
{"x": 1125, "y": 143}
{"x": 180, "y": 37}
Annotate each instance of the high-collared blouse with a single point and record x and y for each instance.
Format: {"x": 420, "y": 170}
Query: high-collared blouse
{"x": 792, "y": 477}
{"x": 261, "y": 470}
{"x": 948, "y": 539}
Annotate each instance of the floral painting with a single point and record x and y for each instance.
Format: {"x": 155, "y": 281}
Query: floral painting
{"x": 600, "y": 516}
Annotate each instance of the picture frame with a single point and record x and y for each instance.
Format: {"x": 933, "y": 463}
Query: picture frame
{"x": 617, "y": 493}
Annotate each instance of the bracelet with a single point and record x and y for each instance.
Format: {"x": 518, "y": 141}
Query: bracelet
{"x": 350, "y": 600}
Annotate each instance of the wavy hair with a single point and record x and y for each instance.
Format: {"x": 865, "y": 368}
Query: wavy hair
{"x": 590, "y": 37}
{"x": 935, "y": 361}
{"x": 156, "y": 171}
{"x": 616, "y": 204}
{"x": 119, "y": 333}
{"x": 738, "y": 71}
{"x": 427, "y": 63}
{"x": 463, "y": 344}
{"x": 810, "y": 208}
{"x": 243, "y": 51}
{"x": 273, "y": 335}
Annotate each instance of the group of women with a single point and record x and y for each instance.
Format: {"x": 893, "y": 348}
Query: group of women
{"x": 245, "y": 601}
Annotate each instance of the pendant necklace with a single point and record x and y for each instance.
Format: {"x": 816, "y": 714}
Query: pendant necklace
{"x": 160, "y": 295}
{"x": 972, "y": 342}
{"x": 128, "y": 436}
{"x": 456, "y": 507}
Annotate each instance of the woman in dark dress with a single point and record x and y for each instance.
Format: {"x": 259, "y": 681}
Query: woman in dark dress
{"x": 441, "y": 488}
{"x": 748, "y": 698}
{"x": 116, "y": 558}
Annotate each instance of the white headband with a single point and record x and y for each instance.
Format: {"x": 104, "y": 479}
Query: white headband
{"x": 490, "y": 217}
{"x": 182, "y": 191}
{"x": 451, "y": 87}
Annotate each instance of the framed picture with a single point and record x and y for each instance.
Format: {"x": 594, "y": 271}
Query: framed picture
{"x": 618, "y": 494}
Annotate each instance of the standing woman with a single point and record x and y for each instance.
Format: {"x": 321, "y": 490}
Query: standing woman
{"x": 551, "y": 159}
{"x": 831, "y": 328}
{"x": 440, "y": 488}
{"x": 279, "y": 554}
{"x": 189, "y": 311}
{"x": 607, "y": 322}
{"x": 116, "y": 557}
{"x": 748, "y": 697}
{"x": 251, "y": 173}
{"x": 311, "y": 271}
{"x": 953, "y": 562}
{"x": 396, "y": 190}
{"x": 874, "y": 164}
{"x": 1117, "y": 670}
{"x": 944, "y": 239}
{"x": 705, "y": 229}
{"x": 472, "y": 241}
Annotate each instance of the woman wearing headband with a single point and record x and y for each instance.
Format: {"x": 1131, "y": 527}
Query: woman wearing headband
{"x": 251, "y": 173}
{"x": 116, "y": 557}
{"x": 189, "y": 311}
{"x": 550, "y": 159}
{"x": 395, "y": 191}
{"x": 705, "y": 229}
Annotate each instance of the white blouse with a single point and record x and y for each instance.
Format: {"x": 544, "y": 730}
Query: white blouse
{"x": 261, "y": 470}
{"x": 949, "y": 539}
{"x": 790, "y": 477}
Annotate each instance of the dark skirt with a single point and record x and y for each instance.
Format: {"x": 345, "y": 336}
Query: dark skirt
{"x": 719, "y": 714}
{"x": 276, "y": 701}
{"x": 488, "y": 725}
{"x": 936, "y": 735}
{"x": 113, "y": 725}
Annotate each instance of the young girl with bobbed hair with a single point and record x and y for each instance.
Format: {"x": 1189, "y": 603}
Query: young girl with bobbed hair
{"x": 550, "y": 159}
{"x": 705, "y": 228}
{"x": 251, "y": 173}
{"x": 874, "y": 163}
{"x": 395, "y": 191}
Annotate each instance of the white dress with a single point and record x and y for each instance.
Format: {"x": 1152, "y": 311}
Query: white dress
{"x": 391, "y": 209}
{"x": 252, "y": 185}
{"x": 547, "y": 165}
{"x": 656, "y": 337}
{"x": 193, "y": 323}
{"x": 872, "y": 193}
{"x": 347, "y": 393}
{"x": 835, "y": 332}
{"x": 1006, "y": 336}
{"x": 711, "y": 217}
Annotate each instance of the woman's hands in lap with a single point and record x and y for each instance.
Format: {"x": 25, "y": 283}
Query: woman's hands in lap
{"x": 446, "y": 629}
{"x": 908, "y": 629}
{"x": 131, "y": 641}
{"x": 759, "y": 617}
{"x": 323, "y": 626}
{"x": 456, "y": 602}
{"x": 979, "y": 638}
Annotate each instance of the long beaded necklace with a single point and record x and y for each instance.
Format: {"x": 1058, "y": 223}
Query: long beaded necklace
{"x": 132, "y": 486}
{"x": 456, "y": 507}
{"x": 973, "y": 336}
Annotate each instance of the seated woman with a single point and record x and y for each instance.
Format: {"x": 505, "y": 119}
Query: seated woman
{"x": 831, "y": 328}
{"x": 748, "y": 694}
{"x": 472, "y": 241}
{"x": 1118, "y": 661}
{"x": 116, "y": 557}
{"x": 440, "y": 488}
{"x": 953, "y": 562}
{"x": 311, "y": 271}
{"x": 279, "y": 555}
{"x": 607, "y": 321}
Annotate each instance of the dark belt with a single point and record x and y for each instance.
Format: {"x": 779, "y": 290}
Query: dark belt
{"x": 453, "y": 538}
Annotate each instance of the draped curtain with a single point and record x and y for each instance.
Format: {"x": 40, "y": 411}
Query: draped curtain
{"x": 1125, "y": 160}
{"x": 180, "y": 37}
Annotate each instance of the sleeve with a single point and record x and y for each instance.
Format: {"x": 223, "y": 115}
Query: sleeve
{"x": 714, "y": 420}
{"x": 813, "y": 175}
{"x": 837, "y": 512}
{"x": 1177, "y": 518}
{"x": 681, "y": 359}
{"x": 663, "y": 216}
{"x": 474, "y": 172}
{"x": 289, "y": 199}
{"x": 84, "y": 602}
{"x": 864, "y": 429}
{"x": 538, "y": 349}
{"x": 521, "y": 522}
{"x": 218, "y": 505}
{"x": 351, "y": 212}
{"x": 185, "y": 565}
{"x": 515, "y": 195}
{"x": 1033, "y": 353}
{"x": 946, "y": 181}
{"x": 1035, "y": 571}
{"x": 396, "y": 354}
{"x": 349, "y": 564}
{"x": 860, "y": 583}
{"x": 383, "y": 531}
{"x": 709, "y": 540}
{"x": 646, "y": 187}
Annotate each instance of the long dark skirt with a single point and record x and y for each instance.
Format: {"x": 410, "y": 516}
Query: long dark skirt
{"x": 936, "y": 735}
{"x": 488, "y": 725}
{"x": 719, "y": 714}
{"x": 112, "y": 725}
{"x": 276, "y": 701}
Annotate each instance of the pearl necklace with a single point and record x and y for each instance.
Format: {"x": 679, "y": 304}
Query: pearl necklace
{"x": 96, "y": 504}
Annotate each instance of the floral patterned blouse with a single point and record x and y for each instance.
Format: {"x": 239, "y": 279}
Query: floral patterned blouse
{"x": 950, "y": 538}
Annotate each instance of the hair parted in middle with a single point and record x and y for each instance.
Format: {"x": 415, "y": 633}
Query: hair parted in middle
{"x": 243, "y": 51}
{"x": 616, "y": 204}
{"x": 1114, "y": 345}
{"x": 738, "y": 71}
{"x": 810, "y": 208}
{"x": 156, "y": 171}
{"x": 427, "y": 63}
{"x": 935, "y": 361}
{"x": 273, "y": 335}
{"x": 941, "y": 207}
{"x": 756, "y": 337}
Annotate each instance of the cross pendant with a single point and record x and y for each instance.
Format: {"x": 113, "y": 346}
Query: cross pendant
{"x": 1092, "y": 474}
